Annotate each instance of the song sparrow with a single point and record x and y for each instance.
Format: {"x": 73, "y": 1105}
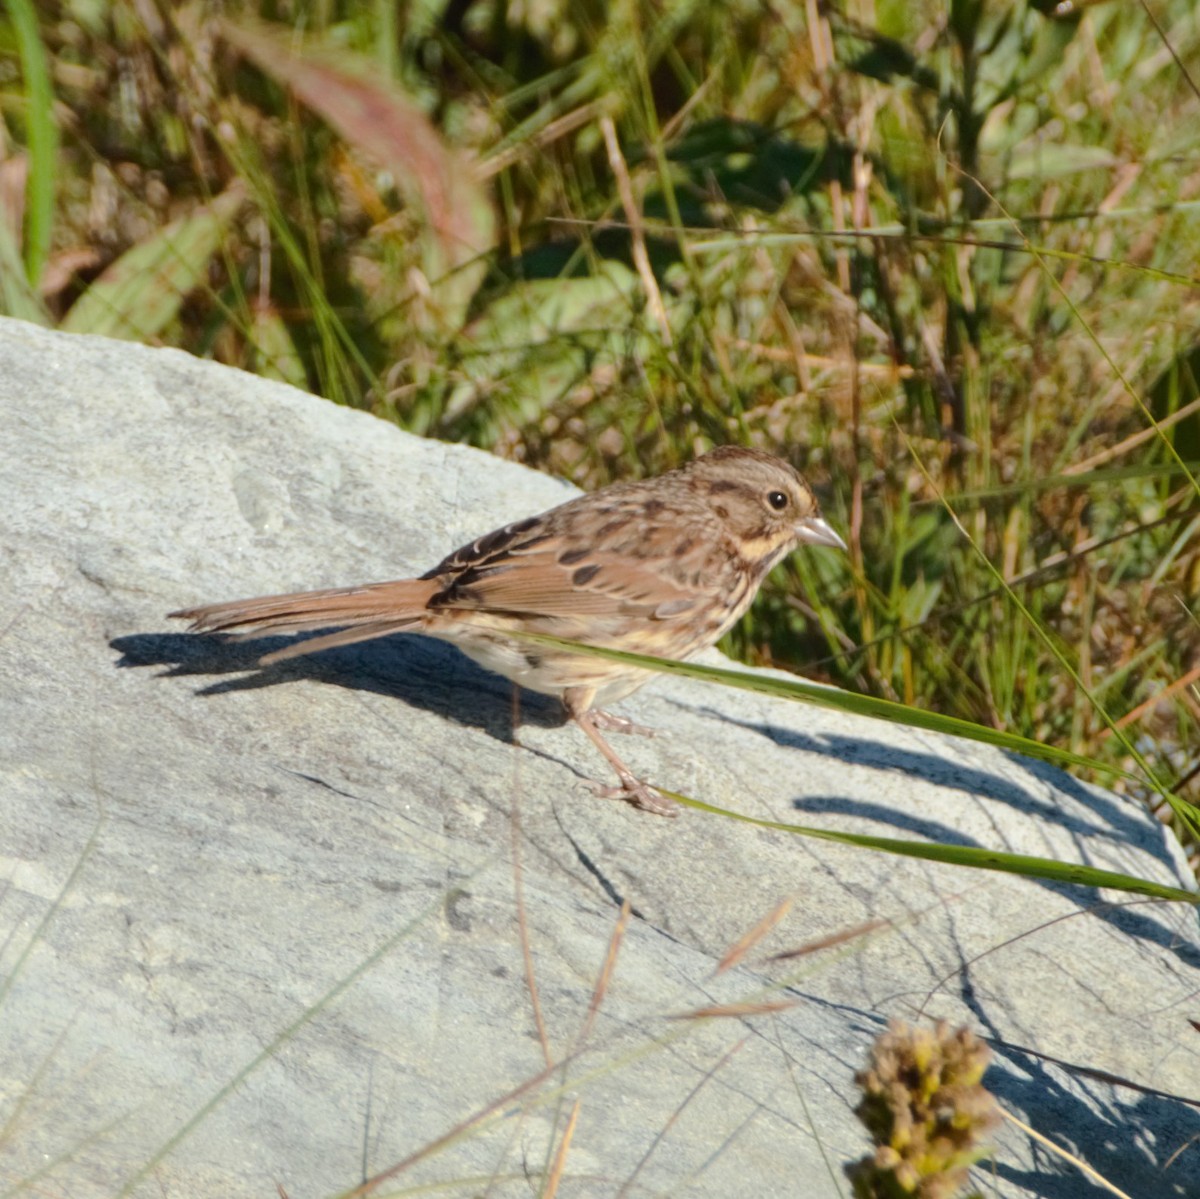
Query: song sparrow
{"x": 662, "y": 566}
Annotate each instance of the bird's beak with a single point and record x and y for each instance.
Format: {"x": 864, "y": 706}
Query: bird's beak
{"x": 812, "y": 530}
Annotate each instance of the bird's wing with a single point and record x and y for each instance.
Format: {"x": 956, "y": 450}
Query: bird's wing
{"x": 537, "y": 584}
{"x": 569, "y": 564}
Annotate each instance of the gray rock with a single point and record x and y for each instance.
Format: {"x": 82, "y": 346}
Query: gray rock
{"x": 261, "y": 927}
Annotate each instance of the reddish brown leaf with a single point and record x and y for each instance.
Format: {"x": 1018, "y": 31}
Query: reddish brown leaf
{"x": 374, "y": 115}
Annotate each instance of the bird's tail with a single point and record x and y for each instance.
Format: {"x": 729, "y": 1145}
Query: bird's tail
{"x": 374, "y": 610}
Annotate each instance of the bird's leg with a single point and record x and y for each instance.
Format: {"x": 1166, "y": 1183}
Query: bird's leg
{"x": 608, "y": 723}
{"x": 632, "y": 789}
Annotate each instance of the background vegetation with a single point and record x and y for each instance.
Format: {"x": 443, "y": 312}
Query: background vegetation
{"x": 944, "y": 256}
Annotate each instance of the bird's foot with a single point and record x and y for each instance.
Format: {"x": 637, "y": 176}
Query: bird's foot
{"x": 619, "y": 724}
{"x": 638, "y": 794}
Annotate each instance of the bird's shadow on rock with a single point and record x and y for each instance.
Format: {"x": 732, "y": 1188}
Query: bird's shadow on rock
{"x": 417, "y": 670}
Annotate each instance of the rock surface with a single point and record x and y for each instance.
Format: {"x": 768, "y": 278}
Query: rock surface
{"x": 262, "y": 927}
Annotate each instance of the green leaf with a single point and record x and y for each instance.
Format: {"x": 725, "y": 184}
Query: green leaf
{"x": 542, "y": 336}
{"x": 275, "y": 353}
{"x": 1038, "y": 160}
{"x": 140, "y": 294}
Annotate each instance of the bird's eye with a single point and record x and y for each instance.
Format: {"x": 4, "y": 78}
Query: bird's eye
{"x": 777, "y": 500}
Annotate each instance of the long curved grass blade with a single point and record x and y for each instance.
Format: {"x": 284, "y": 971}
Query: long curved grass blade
{"x": 43, "y": 138}
{"x": 838, "y": 700}
{"x": 973, "y": 856}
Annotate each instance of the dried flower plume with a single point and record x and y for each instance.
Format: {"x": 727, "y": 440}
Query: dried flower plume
{"x": 926, "y": 1110}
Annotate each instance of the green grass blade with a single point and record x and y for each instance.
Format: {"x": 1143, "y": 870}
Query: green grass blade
{"x": 972, "y": 856}
{"x": 18, "y": 297}
{"x": 43, "y": 138}
{"x": 838, "y": 700}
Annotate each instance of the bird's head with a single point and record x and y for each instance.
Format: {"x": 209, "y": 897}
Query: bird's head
{"x": 764, "y": 502}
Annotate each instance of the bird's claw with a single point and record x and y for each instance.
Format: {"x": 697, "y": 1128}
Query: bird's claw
{"x": 638, "y": 794}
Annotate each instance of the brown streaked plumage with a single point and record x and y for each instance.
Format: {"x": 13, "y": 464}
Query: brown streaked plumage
{"x": 662, "y": 566}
